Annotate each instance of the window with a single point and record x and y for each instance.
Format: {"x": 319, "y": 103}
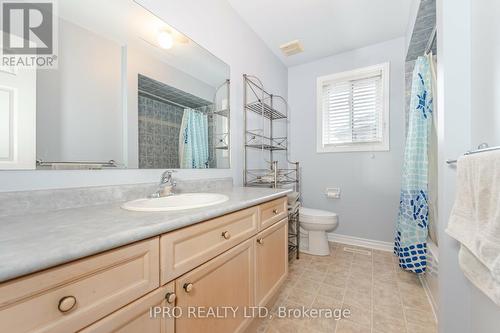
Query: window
{"x": 353, "y": 110}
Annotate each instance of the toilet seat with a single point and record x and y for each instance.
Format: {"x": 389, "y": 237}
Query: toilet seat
{"x": 317, "y": 216}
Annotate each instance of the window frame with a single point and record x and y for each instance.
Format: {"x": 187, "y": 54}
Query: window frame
{"x": 358, "y": 73}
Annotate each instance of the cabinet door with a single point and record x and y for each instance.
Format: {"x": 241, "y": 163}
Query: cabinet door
{"x": 225, "y": 281}
{"x": 142, "y": 315}
{"x": 271, "y": 260}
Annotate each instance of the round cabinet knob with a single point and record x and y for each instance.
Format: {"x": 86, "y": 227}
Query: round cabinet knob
{"x": 226, "y": 235}
{"x": 275, "y": 211}
{"x": 188, "y": 287}
{"x": 66, "y": 303}
{"x": 170, "y": 297}
{"x": 260, "y": 241}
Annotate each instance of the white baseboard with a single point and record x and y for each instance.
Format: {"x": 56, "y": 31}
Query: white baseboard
{"x": 428, "y": 292}
{"x": 363, "y": 242}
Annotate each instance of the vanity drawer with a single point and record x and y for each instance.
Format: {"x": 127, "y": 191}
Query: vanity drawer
{"x": 142, "y": 315}
{"x": 272, "y": 212}
{"x": 187, "y": 248}
{"x": 71, "y": 296}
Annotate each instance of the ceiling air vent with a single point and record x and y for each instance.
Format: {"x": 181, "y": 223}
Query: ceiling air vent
{"x": 292, "y": 48}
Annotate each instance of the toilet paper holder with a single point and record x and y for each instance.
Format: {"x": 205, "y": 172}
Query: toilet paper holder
{"x": 332, "y": 192}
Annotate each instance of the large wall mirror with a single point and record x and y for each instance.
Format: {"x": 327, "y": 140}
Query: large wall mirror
{"x": 130, "y": 92}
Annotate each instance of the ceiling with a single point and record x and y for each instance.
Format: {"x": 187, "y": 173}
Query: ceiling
{"x": 324, "y": 27}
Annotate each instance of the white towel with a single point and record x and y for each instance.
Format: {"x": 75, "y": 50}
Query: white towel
{"x": 475, "y": 221}
{"x": 293, "y": 208}
{"x": 293, "y": 197}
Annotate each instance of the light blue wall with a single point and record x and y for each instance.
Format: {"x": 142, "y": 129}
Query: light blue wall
{"x": 370, "y": 182}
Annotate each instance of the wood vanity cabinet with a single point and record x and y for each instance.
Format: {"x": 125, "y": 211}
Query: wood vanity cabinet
{"x": 69, "y": 297}
{"x": 271, "y": 258}
{"x": 225, "y": 281}
{"x": 138, "y": 316}
{"x": 235, "y": 261}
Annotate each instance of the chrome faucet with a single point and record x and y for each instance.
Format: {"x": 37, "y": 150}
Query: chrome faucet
{"x": 166, "y": 186}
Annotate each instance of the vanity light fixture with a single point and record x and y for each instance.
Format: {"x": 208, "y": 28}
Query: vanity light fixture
{"x": 165, "y": 39}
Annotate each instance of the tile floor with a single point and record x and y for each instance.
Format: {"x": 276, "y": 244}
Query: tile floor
{"x": 381, "y": 297}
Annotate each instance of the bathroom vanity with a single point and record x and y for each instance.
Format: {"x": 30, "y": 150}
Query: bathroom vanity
{"x": 236, "y": 259}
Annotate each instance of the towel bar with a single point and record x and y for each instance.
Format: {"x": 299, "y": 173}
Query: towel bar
{"x": 480, "y": 149}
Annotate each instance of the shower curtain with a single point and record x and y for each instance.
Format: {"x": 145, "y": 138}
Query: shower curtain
{"x": 412, "y": 223}
{"x": 193, "y": 140}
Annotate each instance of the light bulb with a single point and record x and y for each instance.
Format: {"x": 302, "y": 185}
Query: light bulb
{"x": 165, "y": 40}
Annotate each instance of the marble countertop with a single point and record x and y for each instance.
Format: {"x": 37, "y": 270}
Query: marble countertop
{"x": 32, "y": 242}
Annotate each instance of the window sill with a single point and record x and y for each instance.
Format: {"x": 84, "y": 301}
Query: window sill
{"x": 353, "y": 148}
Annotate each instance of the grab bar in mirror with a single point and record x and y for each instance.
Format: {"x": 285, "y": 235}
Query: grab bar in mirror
{"x": 108, "y": 164}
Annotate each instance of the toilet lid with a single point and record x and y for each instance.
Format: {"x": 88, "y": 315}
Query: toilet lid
{"x": 316, "y": 215}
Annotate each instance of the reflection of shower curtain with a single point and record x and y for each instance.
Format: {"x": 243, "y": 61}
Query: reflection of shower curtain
{"x": 411, "y": 230}
{"x": 193, "y": 140}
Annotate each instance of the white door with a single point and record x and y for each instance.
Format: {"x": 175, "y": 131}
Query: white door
{"x": 17, "y": 118}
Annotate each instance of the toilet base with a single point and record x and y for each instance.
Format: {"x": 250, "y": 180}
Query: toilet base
{"x": 317, "y": 244}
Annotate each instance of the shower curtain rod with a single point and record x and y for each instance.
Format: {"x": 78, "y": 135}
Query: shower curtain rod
{"x": 431, "y": 41}
{"x": 472, "y": 152}
{"x": 163, "y": 99}
{"x": 169, "y": 101}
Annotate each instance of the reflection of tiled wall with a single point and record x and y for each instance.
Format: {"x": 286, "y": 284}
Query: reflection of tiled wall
{"x": 159, "y": 126}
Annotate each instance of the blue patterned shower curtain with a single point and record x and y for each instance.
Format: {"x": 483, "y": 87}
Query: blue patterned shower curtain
{"x": 411, "y": 229}
{"x": 193, "y": 140}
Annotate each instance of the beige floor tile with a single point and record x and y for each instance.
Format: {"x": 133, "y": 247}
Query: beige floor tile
{"x": 419, "y": 318}
{"x": 358, "y": 315}
{"x": 387, "y": 305}
{"x": 311, "y": 286}
{"x": 360, "y": 285}
{"x": 323, "y": 325}
{"x": 360, "y": 299}
{"x": 408, "y": 277}
{"x": 319, "y": 267}
{"x": 284, "y": 326}
{"x": 325, "y": 302}
{"x": 388, "y": 324}
{"x": 301, "y": 297}
{"x": 389, "y": 255}
{"x": 416, "y": 302}
{"x": 291, "y": 279}
{"x": 323, "y": 259}
{"x": 412, "y": 288}
{"x": 336, "y": 267}
{"x": 391, "y": 285}
{"x": 343, "y": 261}
{"x": 386, "y": 296}
{"x": 385, "y": 276}
{"x": 345, "y": 326}
{"x": 421, "y": 329}
{"x": 314, "y": 275}
{"x": 335, "y": 280}
{"x": 332, "y": 292}
{"x": 283, "y": 304}
{"x": 382, "y": 297}
{"x": 395, "y": 312}
{"x": 364, "y": 275}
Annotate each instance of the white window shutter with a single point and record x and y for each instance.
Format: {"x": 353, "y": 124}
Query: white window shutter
{"x": 353, "y": 109}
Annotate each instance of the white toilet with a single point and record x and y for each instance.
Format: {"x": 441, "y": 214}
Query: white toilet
{"x": 314, "y": 225}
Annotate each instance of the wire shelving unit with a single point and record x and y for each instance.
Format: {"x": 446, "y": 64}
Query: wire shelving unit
{"x": 270, "y": 114}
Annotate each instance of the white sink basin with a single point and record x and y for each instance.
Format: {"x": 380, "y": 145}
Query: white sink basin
{"x": 176, "y": 202}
